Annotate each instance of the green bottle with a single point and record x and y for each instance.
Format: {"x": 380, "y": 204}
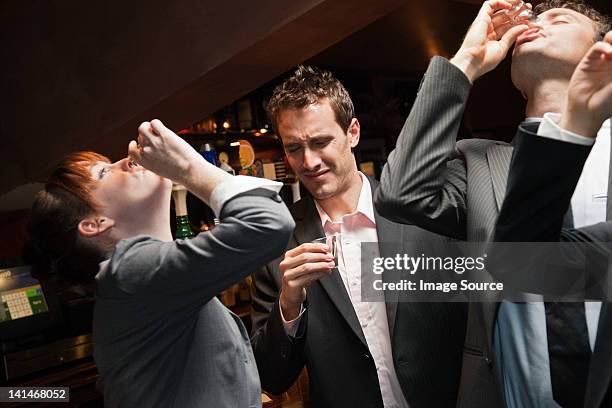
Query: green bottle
{"x": 183, "y": 230}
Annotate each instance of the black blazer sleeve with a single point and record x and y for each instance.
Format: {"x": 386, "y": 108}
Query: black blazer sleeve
{"x": 543, "y": 175}
{"x": 280, "y": 358}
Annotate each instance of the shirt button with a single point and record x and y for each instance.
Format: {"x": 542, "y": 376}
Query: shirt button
{"x": 364, "y": 324}
{"x": 487, "y": 359}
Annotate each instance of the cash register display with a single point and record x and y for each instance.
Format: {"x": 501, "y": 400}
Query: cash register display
{"x": 21, "y": 295}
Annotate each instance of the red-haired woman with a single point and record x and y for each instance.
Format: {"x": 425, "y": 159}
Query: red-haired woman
{"x": 161, "y": 338}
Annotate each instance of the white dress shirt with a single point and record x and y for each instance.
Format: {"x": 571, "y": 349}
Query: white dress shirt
{"x": 354, "y": 229}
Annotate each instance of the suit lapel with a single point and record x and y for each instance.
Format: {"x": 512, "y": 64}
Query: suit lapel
{"x": 307, "y": 221}
{"x": 600, "y": 374}
{"x": 308, "y": 227}
{"x": 388, "y": 233}
{"x": 498, "y": 158}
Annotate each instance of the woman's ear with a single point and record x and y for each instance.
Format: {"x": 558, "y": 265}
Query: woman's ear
{"x": 93, "y": 226}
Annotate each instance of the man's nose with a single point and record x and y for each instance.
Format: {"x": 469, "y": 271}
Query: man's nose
{"x": 311, "y": 160}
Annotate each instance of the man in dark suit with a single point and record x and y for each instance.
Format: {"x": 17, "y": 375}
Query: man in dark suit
{"x": 457, "y": 188}
{"x": 307, "y": 311}
{"x": 539, "y": 192}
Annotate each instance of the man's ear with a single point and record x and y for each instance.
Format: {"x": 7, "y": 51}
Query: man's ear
{"x": 94, "y": 225}
{"x": 354, "y": 131}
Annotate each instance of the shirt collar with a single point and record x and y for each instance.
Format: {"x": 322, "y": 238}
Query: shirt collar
{"x": 532, "y": 119}
{"x": 364, "y": 205}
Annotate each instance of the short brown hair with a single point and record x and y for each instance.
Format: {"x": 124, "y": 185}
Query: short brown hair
{"x": 307, "y": 86}
{"x": 66, "y": 199}
{"x": 602, "y": 23}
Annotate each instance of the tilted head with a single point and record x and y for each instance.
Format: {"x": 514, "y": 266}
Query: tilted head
{"x": 87, "y": 199}
{"x": 552, "y": 51}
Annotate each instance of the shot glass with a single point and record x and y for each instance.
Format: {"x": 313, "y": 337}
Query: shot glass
{"x": 520, "y": 13}
{"x": 332, "y": 241}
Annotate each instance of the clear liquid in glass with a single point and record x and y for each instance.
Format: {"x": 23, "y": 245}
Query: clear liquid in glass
{"x": 521, "y": 13}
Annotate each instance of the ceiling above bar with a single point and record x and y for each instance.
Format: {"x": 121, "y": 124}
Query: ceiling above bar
{"x": 82, "y": 75}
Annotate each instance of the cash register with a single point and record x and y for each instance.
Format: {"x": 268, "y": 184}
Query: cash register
{"x": 42, "y": 324}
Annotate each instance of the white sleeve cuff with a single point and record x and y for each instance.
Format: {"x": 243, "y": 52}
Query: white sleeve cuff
{"x": 291, "y": 326}
{"x": 236, "y": 185}
{"x": 549, "y": 128}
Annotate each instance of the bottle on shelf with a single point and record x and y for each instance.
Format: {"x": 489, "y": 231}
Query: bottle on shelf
{"x": 224, "y": 163}
{"x": 208, "y": 152}
{"x": 210, "y": 155}
{"x": 183, "y": 229}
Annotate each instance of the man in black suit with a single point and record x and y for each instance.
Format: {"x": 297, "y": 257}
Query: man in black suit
{"x": 543, "y": 175}
{"x": 307, "y": 311}
{"x": 457, "y": 188}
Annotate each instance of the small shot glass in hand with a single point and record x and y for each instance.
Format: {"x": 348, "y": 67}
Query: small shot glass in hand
{"x": 521, "y": 14}
{"x": 332, "y": 242}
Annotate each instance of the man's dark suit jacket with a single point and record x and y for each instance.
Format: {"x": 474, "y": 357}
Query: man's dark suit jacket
{"x": 543, "y": 176}
{"x": 426, "y": 338}
{"x": 454, "y": 189}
